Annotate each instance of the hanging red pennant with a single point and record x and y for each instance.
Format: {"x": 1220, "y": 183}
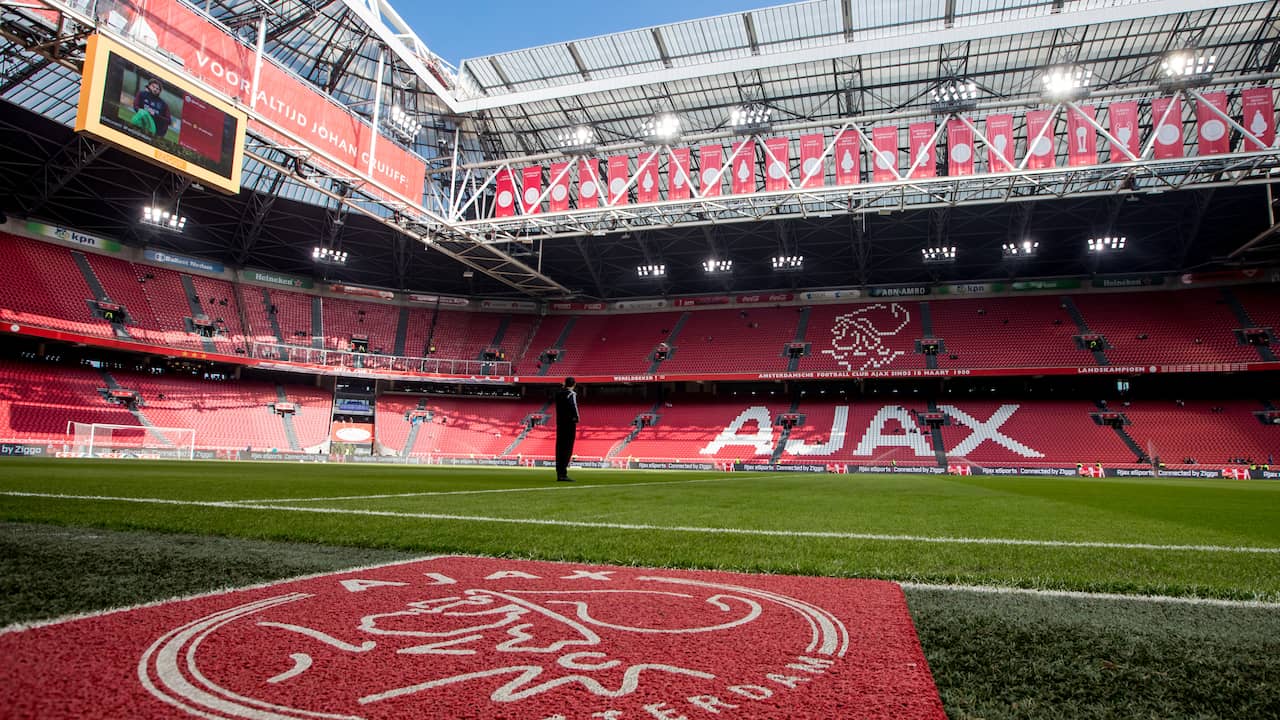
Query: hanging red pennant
{"x": 777, "y": 163}
{"x": 812, "y": 172}
{"x": 1212, "y": 129}
{"x": 924, "y": 156}
{"x": 504, "y": 199}
{"x": 1123, "y": 117}
{"x": 1040, "y": 139}
{"x": 959, "y": 148}
{"x": 999, "y": 130}
{"x": 1082, "y": 138}
{"x": 558, "y": 198}
{"x": 710, "y": 176}
{"x": 618, "y": 194}
{"x": 678, "y": 174}
{"x": 1259, "y": 111}
{"x": 744, "y": 167}
{"x": 1166, "y": 123}
{"x": 531, "y": 190}
{"x": 885, "y": 166}
{"x": 589, "y": 183}
{"x": 647, "y": 178}
{"x": 848, "y": 157}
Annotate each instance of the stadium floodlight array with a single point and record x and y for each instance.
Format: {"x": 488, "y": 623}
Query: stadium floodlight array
{"x": 1187, "y": 68}
{"x": 329, "y": 256}
{"x": 1106, "y": 244}
{"x": 934, "y": 255}
{"x": 579, "y": 140}
{"x": 1026, "y": 248}
{"x": 1066, "y": 82}
{"x": 161, "y": 218}
{"x": 751, "y": 119}
{"x": 788, "y": 262}
{"x": 713, "y": 266}
{"x": 661, "y": 128}
{"x": 403, "y": 124}
{"x": 954, "y": 95}
{"x": 651, "y": 270}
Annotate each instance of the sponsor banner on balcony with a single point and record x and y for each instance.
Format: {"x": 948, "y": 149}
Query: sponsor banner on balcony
{"x": 915, "y": 470}
{"x": 1124, "y": 127}
{"x": 501, "y": 462}
{"x": 1128, "y": 281}
{"x": 577, "y": 307}
{"x": 439, "y": 300}
{"x": 702, "y": 300}
{"x": 670, "y": 465}
{"x": 831, "y": 295}
{"x": 211, "y": 54}
{"x": 182, "y": 261}
{"x": 516, "y": 305}
{"x": 65, "y": 235}
{"x": 749, "y": 466}
{"x": 907, "y": 291}
{"x": 283, "y": 457}
{"x": 970, "y": 288}
{"x": 1051, "y": 284}
{"x": 638, "y": 304}
{"x": 363, "y": 291}
{"x": 1259, "y": 111}
{"x": 764, "y": 298}
{"x": 1221, "y": 276}
{"x": 277, "y": 279}
{"x": 23, "y": 450}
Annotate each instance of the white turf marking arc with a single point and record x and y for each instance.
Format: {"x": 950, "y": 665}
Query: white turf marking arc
{"x": 941, "y": 540}
{"x": 1079, "y": 595}
{"x": 482, "y": 492}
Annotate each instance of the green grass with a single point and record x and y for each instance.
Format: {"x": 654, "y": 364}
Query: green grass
{"x": 1010, "y": 656}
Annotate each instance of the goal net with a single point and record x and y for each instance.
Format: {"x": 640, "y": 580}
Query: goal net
{"x": 131, "y": 441}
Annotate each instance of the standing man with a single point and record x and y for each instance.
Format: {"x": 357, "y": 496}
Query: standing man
{"x": 566, "y": 428}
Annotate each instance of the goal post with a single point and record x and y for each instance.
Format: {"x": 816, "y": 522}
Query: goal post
{"x": 103, "y": 440}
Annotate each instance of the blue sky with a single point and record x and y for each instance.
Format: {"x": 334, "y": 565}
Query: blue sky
{"x": 482, "y": 27}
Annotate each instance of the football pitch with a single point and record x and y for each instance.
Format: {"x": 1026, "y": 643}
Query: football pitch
{"x": 1081, "y": 598}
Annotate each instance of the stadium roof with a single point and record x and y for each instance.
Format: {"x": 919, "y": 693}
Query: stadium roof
{"x": 817, "y": 65}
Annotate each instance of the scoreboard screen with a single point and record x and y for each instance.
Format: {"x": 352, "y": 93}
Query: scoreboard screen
{"x": 131, "y": 102}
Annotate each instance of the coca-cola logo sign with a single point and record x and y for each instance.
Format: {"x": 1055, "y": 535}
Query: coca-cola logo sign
{"x": 488, "y": 638}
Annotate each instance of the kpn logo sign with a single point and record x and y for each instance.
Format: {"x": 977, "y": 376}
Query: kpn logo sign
{"x": 486, "y": 638}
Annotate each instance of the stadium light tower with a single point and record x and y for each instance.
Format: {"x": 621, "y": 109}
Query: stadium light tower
{"x": 751, "y": 119}
{"x": 1026, "y": 248}
{"x": 954, "y": 95}
{"x": 579, "y": 140}
{"x": 938, "y": 255}
{"x": 1106, "y": 244}
{"x": 656, "y": 270}
{"x": 788, "y": 263}
{"x": 329, "y": 256}
{"x": 156, "y": 216}
{"x": 714, "y": 266}
{"x": 1187, "y": 68}
{"x": 1066, "y": 82}
{"x": 402, "y": 124}
{"x": 661, "y": 129}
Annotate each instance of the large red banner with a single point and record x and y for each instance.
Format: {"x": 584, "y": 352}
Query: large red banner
{"x": 618, "y": 180}
{"x": 504, "y": 200}
{"x": 647, "y": 178}
{"x": 848, "y": 155}
{"x": 710, "y": 160}
{"x": 558, "y": 199}
{"x": 678, "y": 174}
{"x": 1259, "y": 111}
{"x": 812, "y": 172}
{"x": 744, "y": 167}
{"x": 777, "y": 162}
{"x": 1166, "y": 123}
{"x": 1082, "y": 138}
{"x": 885, "y": 141}
{"x": 924, "y": 160}
{"x": 589, "y": 183}
{"x": 531, "y": 190}
{"x": 1212, "y": 129}
{"x": 1040, "y": 139}
{"x": 959, "y": 148}
{"x": 213, "y": 56}
{"x": 999, "y": 129}
{"x": 1124, "y": 128}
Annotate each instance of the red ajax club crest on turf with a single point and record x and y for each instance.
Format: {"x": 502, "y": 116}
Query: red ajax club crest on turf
{"x": 488, "y": 638}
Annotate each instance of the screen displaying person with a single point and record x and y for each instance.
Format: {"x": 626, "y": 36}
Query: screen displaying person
{"x": 566, "y": 427}
{"x": 151, "y": 111}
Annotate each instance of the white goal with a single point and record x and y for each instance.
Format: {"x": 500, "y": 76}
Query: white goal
{"x": 131, "y": 441}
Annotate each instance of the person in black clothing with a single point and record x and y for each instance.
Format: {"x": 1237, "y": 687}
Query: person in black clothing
{"x": 152, "y": 111}
{"x": 566, "y": 427}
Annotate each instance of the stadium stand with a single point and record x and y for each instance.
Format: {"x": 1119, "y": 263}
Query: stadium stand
{"x": 40, "y": 284}
{"x": 866, "y": 336}
{"x": 724, "y": 341}
{"x": 603, "y": 427}
{"x": 1032, "y": 331}
{"x": 344, "y": 318}
{"x": 1186, "y": 326}
{"x": 611, "y": 344}
{"x": 1062, "y": 432}
{"x": 37, "y": 401}
{"x": 1212, "y": 433}
{"x": 687, "y": 427}
{"x": 468, "y": 427}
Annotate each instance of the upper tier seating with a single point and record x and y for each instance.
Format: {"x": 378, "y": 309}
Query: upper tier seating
{"x": 869, "y": 336}
{"x": 1187, "y": 326}
{"x": 344, "y": 318}
{"x": 40, "y": 284}
{"x": 729, "y": 341}
{"x": 1032, "y": 331}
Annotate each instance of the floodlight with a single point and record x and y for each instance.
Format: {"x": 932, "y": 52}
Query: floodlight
{"x": 402, "y": 124}
{"x": 658, "y": 270}
{"x": 579, "y": 140}
{"x": 936, "y": 255}
{"x": 788, "y": 262}
{"x": 954, "y": 95}
{"x": 158, "y": 217}
{"x": 661, "y": 128}
{"x": 1187, "y": 68}
{"x": 713, "y": 266}
{"x": 1066, "y": 82}
{"x": 751, "y": 119}
{"x": 1106, "y": 244}
{"x": 1026, "y": 248}
{"x": 329, "y": 256}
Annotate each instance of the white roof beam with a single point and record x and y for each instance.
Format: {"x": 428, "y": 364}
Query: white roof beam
{"x": 401, "y": 40}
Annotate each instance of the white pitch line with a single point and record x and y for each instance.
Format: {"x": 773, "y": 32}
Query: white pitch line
{"x": 1081, "y": 595}
{"x": 942, "y": 540}
{"x": 433, "y": 493}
